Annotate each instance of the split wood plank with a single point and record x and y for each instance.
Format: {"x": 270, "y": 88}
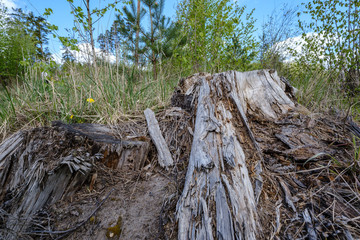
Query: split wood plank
{"x": 164, "y": 155}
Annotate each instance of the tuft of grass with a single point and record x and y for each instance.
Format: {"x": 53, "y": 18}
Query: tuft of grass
{"x": 118, "y": 92}
{"x": 356, "y": 147}
{"x": 321, "y": 90}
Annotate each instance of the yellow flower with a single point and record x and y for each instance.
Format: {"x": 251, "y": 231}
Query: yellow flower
{"x": 71, "y": 117}
{"x": 90, "y": 100}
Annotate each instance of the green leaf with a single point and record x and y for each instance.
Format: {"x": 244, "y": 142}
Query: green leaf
{"x": 48, "y": 12}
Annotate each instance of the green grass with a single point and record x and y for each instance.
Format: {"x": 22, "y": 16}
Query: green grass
{"x": 321, "y": 90}
{"x": 118, "y": 92}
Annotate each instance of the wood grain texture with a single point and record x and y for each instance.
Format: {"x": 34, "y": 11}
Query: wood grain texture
{"x": 43, "y": 165}
{"x": 219, "y": 200}
{"x": 164, "y": 155}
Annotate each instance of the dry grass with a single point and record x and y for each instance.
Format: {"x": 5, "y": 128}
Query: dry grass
{"x": 121, "y": 93}
{"x": 76, "y": 94}
{"x": 322, "y": 90}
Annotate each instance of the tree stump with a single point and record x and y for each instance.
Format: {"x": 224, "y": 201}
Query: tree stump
{"x": 40, "y": 166}
{"x": 218, "y": 200}
{"x": 260, "y": 166}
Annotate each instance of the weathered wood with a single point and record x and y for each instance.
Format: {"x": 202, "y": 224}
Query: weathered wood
{"x": 40, "y": 166}
{"x": 309, "y": 226}
{"x": 353, "y": 127}
{"x": 8, "y": 148}
{"x": 117, "y": 153}
{"x": 164, "y": 155}
{"x": 218, "y": 196}
{"x": 247, "y": 149}
{"x": 287, "y": 195}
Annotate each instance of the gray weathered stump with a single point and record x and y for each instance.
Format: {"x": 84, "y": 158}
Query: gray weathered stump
{"x": 219, "y": 200}
{"x": 40, "y": 166}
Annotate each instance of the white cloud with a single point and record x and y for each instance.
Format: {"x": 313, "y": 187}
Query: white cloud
{"x": 8, "y": 3}
{"x": 298, "y": 45}
{"x": 294, "y": 43}
{"x": 84, "y": 54}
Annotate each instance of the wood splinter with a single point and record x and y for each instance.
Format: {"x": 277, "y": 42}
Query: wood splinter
{"x": 164, "y": 155}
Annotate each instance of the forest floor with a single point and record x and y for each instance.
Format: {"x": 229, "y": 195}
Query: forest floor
{"x": 135, "y": 204}
{"x": 142, "y": 204}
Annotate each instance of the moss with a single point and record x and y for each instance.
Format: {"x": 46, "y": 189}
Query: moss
{"x": 114, "y": 231}
{"x": 93, "y": 219}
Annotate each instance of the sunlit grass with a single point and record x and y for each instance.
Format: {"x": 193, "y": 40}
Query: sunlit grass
{"x": 321, "y": 90}
{"x": 116, "y": 94}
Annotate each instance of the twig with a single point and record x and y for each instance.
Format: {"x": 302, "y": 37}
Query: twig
{"x": 309, "y": 226}
{"x": 66, "y": 232}
{"x": 348, "y": 113}
{"x": 278, "y": 223}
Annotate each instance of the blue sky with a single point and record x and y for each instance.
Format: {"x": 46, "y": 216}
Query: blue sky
{"x": 62, "y": 18}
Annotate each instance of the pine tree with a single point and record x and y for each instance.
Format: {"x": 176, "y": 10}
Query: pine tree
{"x": 40, "y": 31}
{"x": 67, "y": 55}
{"x": 153, "y": 44}
{"x": 17, "y": 45}
{"x": 163, "y": 32}
{"x": 37, "y": 28}
{"x": 128, "y": 28}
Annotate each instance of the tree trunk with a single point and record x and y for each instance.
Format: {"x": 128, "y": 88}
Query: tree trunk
{"x": 218, "y": 200}
{"x": 137, "y": 35}
{"x": 154, "y": 61}
{"x": 153, "y": 58}
{"x": 92, "y": 43}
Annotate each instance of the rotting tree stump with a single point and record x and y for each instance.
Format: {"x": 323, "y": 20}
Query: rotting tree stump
{"x": 261, "y": 166}
{"x": 40, "y": 166}
{"x": 247, "y": 127}
{"x": 218, "y": 200}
